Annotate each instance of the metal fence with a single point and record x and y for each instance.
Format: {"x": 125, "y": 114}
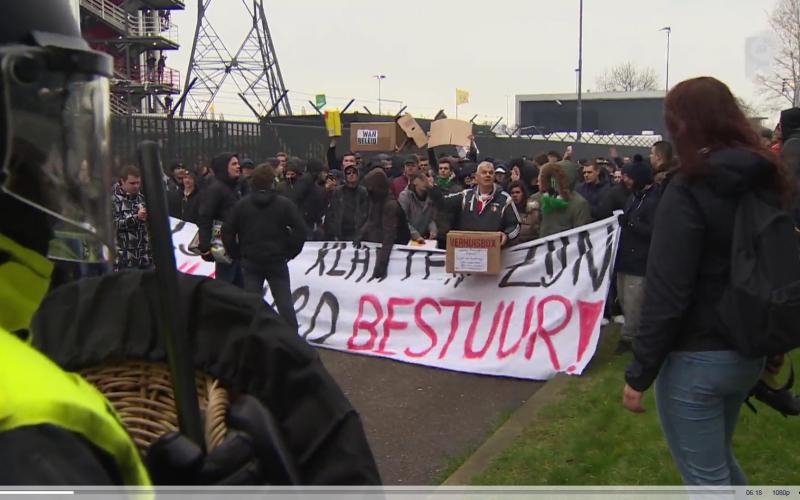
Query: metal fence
{"x": 193, "y": 141}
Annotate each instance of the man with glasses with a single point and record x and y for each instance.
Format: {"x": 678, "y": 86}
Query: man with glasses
{"x": 593, "y": 187}
{"x": 348, "y": 208}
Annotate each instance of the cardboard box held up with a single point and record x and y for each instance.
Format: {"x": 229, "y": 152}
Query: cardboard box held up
{"x": 413, "y": 130}
{"x": 449, "y": 132}
{"x": 378, "y": 136}
{"x": 474, "y": 252}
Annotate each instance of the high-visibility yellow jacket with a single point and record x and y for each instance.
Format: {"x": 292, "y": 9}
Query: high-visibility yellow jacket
{"x": 34, "y": 390}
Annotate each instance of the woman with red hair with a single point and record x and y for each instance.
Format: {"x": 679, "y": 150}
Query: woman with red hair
{"x": 681, "y": 344}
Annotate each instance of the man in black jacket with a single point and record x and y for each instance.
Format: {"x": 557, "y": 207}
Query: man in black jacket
{"x": 265, "y": 231}
{"x": 593, "y": 187}
{"x": 216, "y": 202}
{"x": 634, "y": 246}
{"x": 483, "y": 208}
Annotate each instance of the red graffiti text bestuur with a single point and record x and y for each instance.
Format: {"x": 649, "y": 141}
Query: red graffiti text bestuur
{"x": 544, "y": 318}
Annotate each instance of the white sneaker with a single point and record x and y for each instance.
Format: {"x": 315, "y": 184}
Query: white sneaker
{"x": 604, "y": 322}
{"x": 619, "y": 319}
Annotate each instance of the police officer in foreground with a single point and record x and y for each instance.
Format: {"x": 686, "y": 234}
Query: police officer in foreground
{"x": 57, "y": 429}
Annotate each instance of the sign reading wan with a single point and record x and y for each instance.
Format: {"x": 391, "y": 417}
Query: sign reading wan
{"x": 367, "y": 137}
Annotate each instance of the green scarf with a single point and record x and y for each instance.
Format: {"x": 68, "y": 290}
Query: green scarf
{"x": 552, "y": 203}
{"x": 443, "y": 183}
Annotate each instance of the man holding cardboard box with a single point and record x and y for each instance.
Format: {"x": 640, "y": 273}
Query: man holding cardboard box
{"x": 486, "y": 207}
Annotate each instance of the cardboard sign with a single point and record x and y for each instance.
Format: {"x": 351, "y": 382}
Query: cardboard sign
{"x": 449, "y": 132}
{"x": 475, "y": 252}
{"x": 377, "y": 136}
{"x": 540, "y": 316}
{"x": 413, "y": 130}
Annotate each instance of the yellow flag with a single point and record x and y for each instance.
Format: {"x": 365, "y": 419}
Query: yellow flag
{"x": 462, "y": 96}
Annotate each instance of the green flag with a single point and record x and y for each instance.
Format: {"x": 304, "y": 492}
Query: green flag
{"x": 321, "y": 101}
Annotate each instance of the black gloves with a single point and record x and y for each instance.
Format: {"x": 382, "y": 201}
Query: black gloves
{"x": 253, "y": 453}
{"x": 175, "y": 460}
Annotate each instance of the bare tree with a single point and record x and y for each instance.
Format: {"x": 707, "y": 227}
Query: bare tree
{"x": 783, "y": 82}
{"x": 627, "y": 77}
{"x": 748, "y": 108}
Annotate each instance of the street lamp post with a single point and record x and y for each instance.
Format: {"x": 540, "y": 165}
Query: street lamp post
{"x": 580, "y": 74}
{"x": 668, "y": 30}
{"x": 379, "y": 78}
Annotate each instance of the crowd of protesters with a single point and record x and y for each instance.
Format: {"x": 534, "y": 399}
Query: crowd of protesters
{"x": 394, "y": 199}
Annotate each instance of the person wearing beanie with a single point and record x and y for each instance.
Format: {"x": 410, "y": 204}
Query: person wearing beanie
{"x": 410, "y": 170}
{"x": 245, "y": 183}
{"x": 215, "y": 203}
{"x": 559, "y": 207}
{"x": 637, "y": 229}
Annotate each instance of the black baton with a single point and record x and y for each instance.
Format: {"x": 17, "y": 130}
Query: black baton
{"x": 172, "y": 322}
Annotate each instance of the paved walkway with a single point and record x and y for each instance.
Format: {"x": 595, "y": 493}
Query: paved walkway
{"x": 418, "y": 418}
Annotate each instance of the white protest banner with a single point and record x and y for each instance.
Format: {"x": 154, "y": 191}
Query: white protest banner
{"x": 540, "y": 316}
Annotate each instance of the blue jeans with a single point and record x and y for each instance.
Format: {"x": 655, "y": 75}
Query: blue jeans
{"x": 699, "y": 395}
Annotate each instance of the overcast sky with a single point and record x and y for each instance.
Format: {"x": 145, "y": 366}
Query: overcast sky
{"x": 493, "y": 49}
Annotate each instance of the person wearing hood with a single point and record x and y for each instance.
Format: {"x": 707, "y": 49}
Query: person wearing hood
{"x": 634, "y": 245}
{"x": 175, "y": 180}
{"x": 419, "y": 209}
{"x": 386, "y": 222}
{"x": 293, "y": 185}
{"x": 527, "y": 173}
{"x": 559, "y": 207}
{"x": 265, "y": 231}
{"x": 790, "y": 152}
{"x": 347, "y": 211}
{"x": 215, "y": 203}
{"x": 682, "y": 344}
{"x": 485, "y": 207}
